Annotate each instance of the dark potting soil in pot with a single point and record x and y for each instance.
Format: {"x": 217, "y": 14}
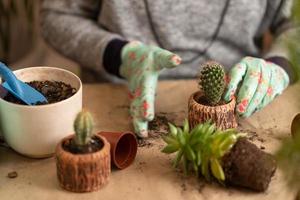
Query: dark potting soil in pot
{"x": 203, "y": 101}
{"x": 54, "y": 91}
{"x": 95, "y": 145}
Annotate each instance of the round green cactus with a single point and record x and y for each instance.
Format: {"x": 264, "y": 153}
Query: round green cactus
{"x": 212, "y": 81}
{"x": 83, "y": 126}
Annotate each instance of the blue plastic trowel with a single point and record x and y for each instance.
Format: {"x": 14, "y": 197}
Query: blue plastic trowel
{"x": 19, "y": 89}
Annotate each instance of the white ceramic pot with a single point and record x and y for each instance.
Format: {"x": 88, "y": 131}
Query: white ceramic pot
{"x": 35, "y": 131}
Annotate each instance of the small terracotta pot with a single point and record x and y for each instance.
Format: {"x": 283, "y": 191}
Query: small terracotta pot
{"x": 223, "y": 115}
{"x": 83, "y": 172}
{"x": 123, "y": 148}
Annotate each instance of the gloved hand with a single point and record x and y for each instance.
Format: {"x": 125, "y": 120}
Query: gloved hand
{"x": 261, "y": 82}
{"x": 141, "y": 65}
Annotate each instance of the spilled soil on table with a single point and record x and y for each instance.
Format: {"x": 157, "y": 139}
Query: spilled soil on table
{"x": 159, "y": 126}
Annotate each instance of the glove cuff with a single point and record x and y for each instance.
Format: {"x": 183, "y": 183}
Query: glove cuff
{"x": 284, "y": 64}
{"x": 112, "y": 56}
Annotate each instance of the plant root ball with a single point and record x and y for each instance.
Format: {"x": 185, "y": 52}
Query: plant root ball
{"x": 248, "y": 166}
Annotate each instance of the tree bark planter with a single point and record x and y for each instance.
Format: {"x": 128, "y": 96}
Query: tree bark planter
{"x": 83, "y": 172}
{"x": 248, "y": 166}
{"x": 222, "y": 115}
{"x": 123, "y": 148}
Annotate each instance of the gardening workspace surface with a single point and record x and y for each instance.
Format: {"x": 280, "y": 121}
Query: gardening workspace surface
{"x": 151, "y": 176}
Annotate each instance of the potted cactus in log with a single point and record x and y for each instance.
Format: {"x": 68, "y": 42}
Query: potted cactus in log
{"x": 225, "y": 155}
{"x": 207, "y": 104}
{"x": 83, "y": 159}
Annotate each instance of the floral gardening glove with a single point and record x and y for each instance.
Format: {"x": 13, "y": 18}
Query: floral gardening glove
{"x": 141, "y": 65}
{"x": 261, "y": 82}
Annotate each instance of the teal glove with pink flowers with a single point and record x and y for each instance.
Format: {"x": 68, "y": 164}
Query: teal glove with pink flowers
{"x": 261, "y": 82}
{"x": 141, "y": 65}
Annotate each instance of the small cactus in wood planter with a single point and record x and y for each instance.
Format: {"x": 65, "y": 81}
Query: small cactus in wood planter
{"x": 207, "y": 104}
{"x": 83, "y": 159}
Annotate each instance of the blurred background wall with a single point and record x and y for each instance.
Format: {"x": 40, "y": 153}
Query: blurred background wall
{"x": 21, "y": 44}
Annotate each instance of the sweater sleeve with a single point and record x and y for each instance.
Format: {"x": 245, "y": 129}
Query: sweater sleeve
{"x": 70, "y": 27}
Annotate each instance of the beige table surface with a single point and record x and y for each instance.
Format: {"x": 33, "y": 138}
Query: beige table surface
{"x": 151, "y": 176}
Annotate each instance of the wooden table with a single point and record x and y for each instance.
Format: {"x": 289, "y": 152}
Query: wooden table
{"x": 151, "y": 176}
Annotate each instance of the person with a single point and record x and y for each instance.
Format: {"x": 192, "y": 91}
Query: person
{"x": 136, "y": 40}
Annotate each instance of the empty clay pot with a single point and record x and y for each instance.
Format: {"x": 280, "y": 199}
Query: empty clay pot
{"x": 222, "y": 115}
{"x": 123, "y": 148}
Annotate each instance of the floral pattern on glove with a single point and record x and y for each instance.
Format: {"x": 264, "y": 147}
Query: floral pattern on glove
{"x": 260, "y": 81}
{"x": 141, "y": 65}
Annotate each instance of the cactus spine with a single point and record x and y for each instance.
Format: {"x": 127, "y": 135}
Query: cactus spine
{"x": 212, "y": 81}
{"x": 83, "y": 126}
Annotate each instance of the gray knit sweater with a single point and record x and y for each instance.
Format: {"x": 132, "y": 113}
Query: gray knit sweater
{"x": 197, "y": 30}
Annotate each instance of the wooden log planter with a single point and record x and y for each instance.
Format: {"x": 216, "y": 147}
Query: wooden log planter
{"x": 222, "y": 115}
{"x": 83, "y": 172}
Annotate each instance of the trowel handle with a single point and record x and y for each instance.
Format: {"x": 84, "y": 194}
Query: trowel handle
{"x": 10, "y": 78}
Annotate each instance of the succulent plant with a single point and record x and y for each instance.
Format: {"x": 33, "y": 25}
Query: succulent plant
{"x": 212, "y": 81}
{"x": 83, "y": 126}
{"x": 200, "y": 149}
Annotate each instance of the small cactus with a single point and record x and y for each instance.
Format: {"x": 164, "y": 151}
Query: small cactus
{"x": 212, "y": 81}
{"x": 83, "y": 126}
